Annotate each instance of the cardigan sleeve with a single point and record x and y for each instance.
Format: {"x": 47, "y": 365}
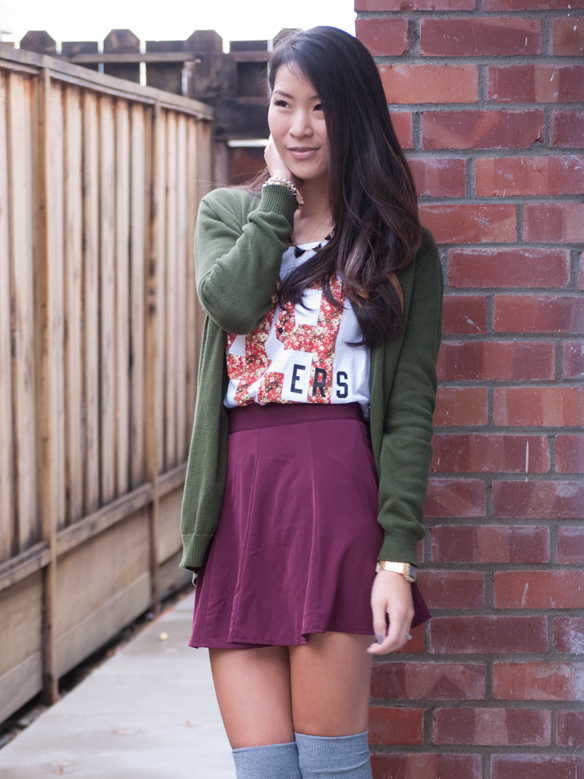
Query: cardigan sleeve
{"x": 406, "y": 448}
{"x": 238, "y": 259}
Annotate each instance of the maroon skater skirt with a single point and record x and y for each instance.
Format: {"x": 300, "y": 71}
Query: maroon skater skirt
{"x": 297, "y": 542}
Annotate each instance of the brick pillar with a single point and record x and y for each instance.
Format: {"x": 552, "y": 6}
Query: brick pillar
{"x": 487, "y": 97}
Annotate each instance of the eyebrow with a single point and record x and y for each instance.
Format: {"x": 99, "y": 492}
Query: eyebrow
{"x": 285, "y": 94}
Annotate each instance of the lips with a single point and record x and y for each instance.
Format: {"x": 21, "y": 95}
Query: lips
{"x": 302, "y": 152}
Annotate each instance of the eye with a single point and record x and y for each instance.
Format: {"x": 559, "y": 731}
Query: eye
{"x": 281, "y": 103}
{"x": 318, "y": 107}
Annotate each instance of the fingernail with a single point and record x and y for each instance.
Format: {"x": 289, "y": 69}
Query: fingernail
{"x": 378, "y": 638}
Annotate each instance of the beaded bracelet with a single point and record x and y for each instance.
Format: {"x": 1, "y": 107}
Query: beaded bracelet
{"x": 285, "y": 183}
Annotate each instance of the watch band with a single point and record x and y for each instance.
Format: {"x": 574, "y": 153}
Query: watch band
{"x": 408, "y": 571}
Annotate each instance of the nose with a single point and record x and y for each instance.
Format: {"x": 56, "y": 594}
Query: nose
{"x": 301, "y": 125}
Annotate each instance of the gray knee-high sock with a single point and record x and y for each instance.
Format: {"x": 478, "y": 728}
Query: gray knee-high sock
{"x": 326, "y": 757}
{"x": 275, "y": 761}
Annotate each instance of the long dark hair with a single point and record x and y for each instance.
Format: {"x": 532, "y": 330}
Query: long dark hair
{"x": 371, "y": 191}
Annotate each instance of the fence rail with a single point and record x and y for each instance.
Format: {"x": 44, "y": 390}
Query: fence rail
{"x": 99, "y": 328}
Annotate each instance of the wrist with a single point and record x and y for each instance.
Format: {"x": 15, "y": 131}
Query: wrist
{"x": 406, "y": 570}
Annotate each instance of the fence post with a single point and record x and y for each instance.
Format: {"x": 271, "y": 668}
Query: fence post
{"x": 50, "y": 325}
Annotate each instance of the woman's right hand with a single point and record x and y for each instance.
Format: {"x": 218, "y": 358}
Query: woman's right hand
{"x": 276, "y": 165}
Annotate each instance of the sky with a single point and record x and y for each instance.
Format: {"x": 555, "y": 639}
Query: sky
{"x": 90, "y": 20}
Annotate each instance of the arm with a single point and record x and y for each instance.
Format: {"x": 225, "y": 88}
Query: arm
{"x": 238, "y": 256}
{"x": 406, "y": 449}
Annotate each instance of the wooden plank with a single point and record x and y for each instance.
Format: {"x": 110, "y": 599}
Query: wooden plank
{"x": 103, "y": 623}
{"x": 73, "y": 260}
{"x": 21, "y": 188}
{"x": 138, "y": 203}
{"x": 7, "y": 538}
{"x": 21, "y": 60}
{"x": 169, "y": 539}
{"x": 103, "y": 518}
{"x": 122, "y": 297}
{"x": 92, "y": 575}
{"x": 170, "y": 373}
{"x": 24, "y": 564}
{"x": 159, "y": 243}
{"x": 91, "y": 300}
{"x": 107, "y": 308}
{"x": 50, "y": 278}
{"x": 192, "y": 334}
{"x": 153, "y": 338}
{"x": 172, "y": 479}
{"x": 53, "y": 347}
{"x": 181, "y": 289}
{"x": 20, "y": 628}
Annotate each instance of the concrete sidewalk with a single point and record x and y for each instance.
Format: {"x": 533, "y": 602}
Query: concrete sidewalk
{"x": 147, "y": 713}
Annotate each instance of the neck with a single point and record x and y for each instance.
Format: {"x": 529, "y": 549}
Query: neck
{"x": 316, "y": 199}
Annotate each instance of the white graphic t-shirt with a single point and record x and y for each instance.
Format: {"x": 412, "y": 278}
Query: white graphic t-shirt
{"x": 300, "y": 354}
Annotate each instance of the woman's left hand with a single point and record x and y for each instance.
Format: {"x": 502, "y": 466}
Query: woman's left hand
{"x": 391, "y": 595}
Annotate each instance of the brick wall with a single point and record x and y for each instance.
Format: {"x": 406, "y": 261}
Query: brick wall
{"x": 487, "y": 97}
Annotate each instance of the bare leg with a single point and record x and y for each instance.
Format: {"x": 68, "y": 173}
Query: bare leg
{"x": 330, "y": 679}
{"x": 253, "y": 691}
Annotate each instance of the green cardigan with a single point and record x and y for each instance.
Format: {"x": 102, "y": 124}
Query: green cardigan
{"x": 239, "y": 242}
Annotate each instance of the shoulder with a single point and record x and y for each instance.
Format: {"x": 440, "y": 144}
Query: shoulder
{"x": 230, "y": 203}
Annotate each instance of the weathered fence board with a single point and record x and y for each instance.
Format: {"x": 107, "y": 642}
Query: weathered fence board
{"x": 99, "y": 334}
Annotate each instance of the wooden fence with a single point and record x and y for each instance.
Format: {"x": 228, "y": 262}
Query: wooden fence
{"x": 99, "y": 185}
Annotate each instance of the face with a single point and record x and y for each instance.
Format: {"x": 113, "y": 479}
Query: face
{"x": 298, "y": 126}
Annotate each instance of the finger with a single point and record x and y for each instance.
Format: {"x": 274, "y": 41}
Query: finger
{"x": 378, "y": 610}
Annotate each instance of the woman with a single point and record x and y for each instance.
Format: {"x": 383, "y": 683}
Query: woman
{"x": 311, "y": 443}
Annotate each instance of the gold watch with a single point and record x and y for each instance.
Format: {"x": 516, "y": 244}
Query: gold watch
{"x": 408, "y": 571}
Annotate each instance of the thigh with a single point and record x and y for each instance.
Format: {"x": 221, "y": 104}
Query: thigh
{"x": 253, "y": 691}
{"x": 330, "y": 679}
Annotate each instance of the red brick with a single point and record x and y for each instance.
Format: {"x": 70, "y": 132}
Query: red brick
{"x": 535, "y": 83}
{"x": 493, "y": 727}
{"x": 428, "y": 681}
{"x": 430, "y": 83}
{"x": 517, "y": 267}
{"x": 539, "y": 589}
{"x": 416, "y": 645}
{"x": 538, "y": 499}
{"x": 453, "y": 589}
{"x": 470, "y": 37}
{"x": 481, "y": 129}
{"x": 438, "y": 177}
{"x": 402, "y": 124}
{"x": 426, "y": 766}
{"x": 536, "y": 767}
{"x": 417, "y": 5}
{"x": 455, "y": 498}
{"x": 490, "y": 454}
{"x": 500, "y": 360}
{"x": 569, "y": 635}
{"x": 568, "y": 37}
{"x": 581, "y": 272}
{"x": 487, "y": 634}
{"x": 530, "y": 5}
{"x": 539, "y": 314}
{"x": 469, "y": 223}
{"x": 554, "y": 222}
{"x": 461, "y": 406}
{"x": 539, "y": 407}
{"x": 574, "y": 359}
{"x": 568, "y": 128}
{"x": 383, "y": 36}
{"x": 538, "y": 681}
{"x": 464, "y": 315}
{"x": 570, "y": 453}
{"x": 570, "y": 728}
{"x": 395, "y": 726}
{"x": 517, "y": 176}
{"x": 570, "y": 546}
{"x": 490, "y": 544}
